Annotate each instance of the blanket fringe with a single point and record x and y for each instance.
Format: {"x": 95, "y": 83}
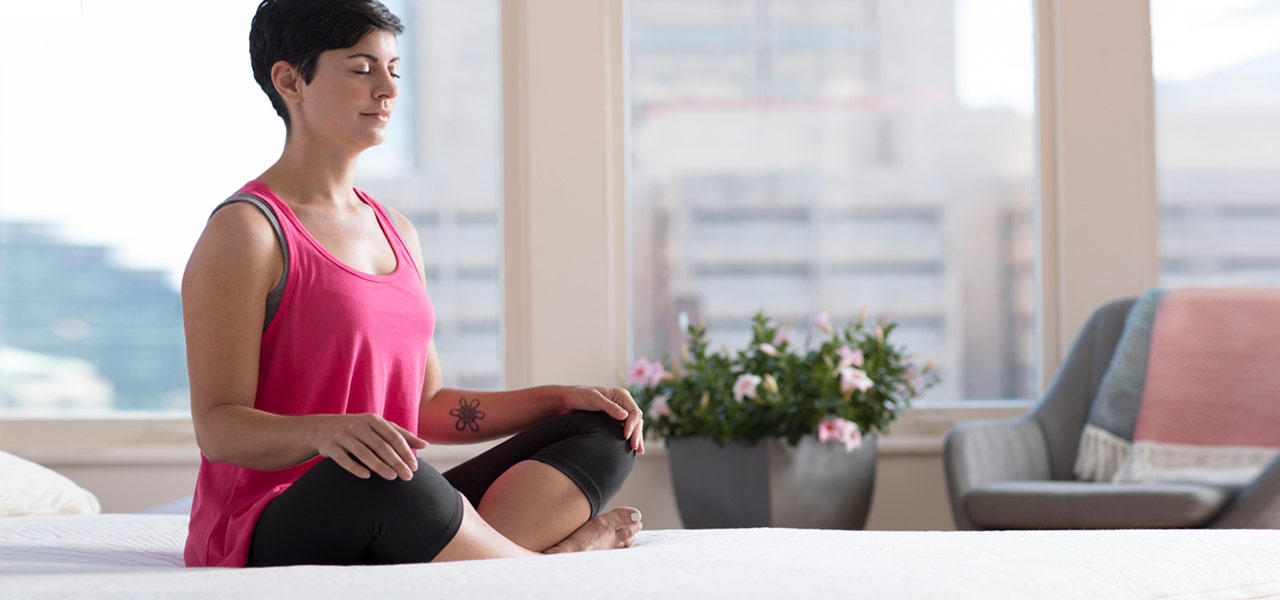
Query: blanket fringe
{"x": 1101, "y": 454}
{"x": 1152, "y": 462}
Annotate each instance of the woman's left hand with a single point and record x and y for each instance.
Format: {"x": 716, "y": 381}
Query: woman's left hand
{"x": 617, "y": 402}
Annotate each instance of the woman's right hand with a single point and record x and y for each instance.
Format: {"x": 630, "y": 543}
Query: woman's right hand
{"x": 366, "y": 444}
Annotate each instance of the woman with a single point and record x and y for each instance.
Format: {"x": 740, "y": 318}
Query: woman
{"x": 314, "y": 379}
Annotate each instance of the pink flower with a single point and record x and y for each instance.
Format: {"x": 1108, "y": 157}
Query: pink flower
{"x": 657, "y": 373}
{"x": 854, "y": 379}
{"x": 639, "y": 372}
{"x": 823, "y": 321}
{"x": 849, "y": 357}
{"x": 745, "y": 386}
{"x": 659, "y": 408}
{"x": 836, "y": 429}
{"x": 645, "y": 373}
{"x": 768, "y": 349}
{"x": 829, "y": 430}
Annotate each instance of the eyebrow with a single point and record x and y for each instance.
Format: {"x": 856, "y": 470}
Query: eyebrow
{"x": 371, "y": 57}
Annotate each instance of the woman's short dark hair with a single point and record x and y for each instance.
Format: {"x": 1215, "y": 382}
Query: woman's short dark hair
{"x": 297, "y": 31}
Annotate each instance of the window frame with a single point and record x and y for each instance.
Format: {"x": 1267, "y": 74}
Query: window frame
{"x": 564, "y": 272}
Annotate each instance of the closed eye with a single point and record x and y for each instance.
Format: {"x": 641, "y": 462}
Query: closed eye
{"x": 393, "y": 75}
{"x": 366, "y": 58}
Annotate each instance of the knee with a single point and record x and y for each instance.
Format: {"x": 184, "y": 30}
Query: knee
{"x": 601, "y": 448}
{"x": 604, "y": 435}
{"x": 593, "y": 422}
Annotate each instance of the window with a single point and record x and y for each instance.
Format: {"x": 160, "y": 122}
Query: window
{"x": 1217, "y": 125}
{"x": 123, "y": 124}
{"x": 824, "y": 155}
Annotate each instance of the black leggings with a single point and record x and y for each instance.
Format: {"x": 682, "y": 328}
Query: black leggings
{"x": 331, "y": 517}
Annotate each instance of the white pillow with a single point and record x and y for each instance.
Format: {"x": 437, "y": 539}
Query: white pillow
{"x": 27, "y": 488}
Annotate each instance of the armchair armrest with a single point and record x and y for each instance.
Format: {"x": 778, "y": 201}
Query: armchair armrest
{"x": 980, "y": 452}
{"x": 1256, "y": 506}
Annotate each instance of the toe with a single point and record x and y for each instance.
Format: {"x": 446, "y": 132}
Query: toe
{"x": 622, "y": 517}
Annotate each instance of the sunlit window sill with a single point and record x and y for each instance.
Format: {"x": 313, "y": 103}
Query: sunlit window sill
{"x": 169, "y": 439}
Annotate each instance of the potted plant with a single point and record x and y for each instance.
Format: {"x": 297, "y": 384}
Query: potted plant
{"x": 778, "y": 433}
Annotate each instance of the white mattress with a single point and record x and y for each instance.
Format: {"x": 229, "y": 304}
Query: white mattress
{"x": 139, "y": 556}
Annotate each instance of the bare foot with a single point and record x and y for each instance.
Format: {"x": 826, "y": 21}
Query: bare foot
{"x": 614, "y": 529}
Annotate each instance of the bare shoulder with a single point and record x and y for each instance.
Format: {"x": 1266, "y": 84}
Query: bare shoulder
{"x": 238, "y": 247}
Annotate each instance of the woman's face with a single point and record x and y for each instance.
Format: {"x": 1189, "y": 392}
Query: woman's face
{"x": 349, "y": 100}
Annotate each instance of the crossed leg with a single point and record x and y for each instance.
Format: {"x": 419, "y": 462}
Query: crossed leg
{"x": 532, "y": 506}
{"x": 537, "y": 503}
{"x": 535, "y": 493}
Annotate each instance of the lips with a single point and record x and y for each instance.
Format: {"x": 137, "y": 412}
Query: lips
{"x": 382, "y": 115}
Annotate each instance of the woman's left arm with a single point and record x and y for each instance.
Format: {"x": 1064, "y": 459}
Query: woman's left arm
{"x": 448, "y": 415}
{"x": 464, "y": 416}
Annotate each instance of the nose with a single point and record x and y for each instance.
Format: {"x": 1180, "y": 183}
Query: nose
{"x": 387, "y": 88}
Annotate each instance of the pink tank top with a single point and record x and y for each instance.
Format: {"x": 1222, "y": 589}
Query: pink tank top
{"x": 341, "y": 342}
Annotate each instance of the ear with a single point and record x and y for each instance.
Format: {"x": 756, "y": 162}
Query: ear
{"x": 288, "y": 81}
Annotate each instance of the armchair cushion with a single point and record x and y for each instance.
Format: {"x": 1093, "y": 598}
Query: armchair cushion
{"x": 1209, "y": 405}
{"x": 1090, "y": 505}
{"x": 1189, "y": 395}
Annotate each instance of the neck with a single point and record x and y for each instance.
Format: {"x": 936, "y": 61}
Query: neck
{"x": 308, "y": 172}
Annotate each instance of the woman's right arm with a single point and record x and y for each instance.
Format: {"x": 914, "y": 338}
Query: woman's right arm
{"x": 234, "y": 265}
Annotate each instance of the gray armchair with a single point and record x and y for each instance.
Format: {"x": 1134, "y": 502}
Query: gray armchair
{"x": 1017, "y": 473}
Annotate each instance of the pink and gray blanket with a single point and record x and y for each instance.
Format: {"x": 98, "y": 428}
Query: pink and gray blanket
{"x": 1193, "y": 391}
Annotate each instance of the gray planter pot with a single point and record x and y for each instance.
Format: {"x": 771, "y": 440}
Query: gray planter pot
{"x": 771, "y": 484}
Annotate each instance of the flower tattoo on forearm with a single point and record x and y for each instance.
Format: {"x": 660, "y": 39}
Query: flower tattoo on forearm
{"x": 468, "y": 414}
